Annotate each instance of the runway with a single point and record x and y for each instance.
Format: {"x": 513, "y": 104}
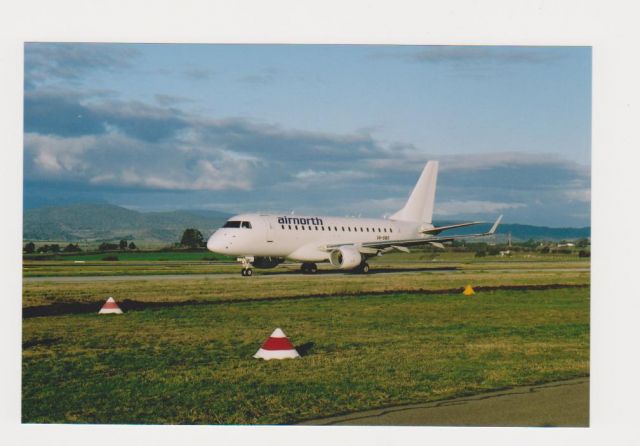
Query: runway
{"x": 260, "y": 275}
{"x": 562, "y": 404}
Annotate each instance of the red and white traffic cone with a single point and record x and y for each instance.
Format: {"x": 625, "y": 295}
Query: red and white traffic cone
{"x": 277, "y": 346}
{"x": 110, "y": 307}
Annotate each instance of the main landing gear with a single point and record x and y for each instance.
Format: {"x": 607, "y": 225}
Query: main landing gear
{"x": 246, "y": 267}
{"x": 309, "y": 268}
{"x": 363, "y": 268}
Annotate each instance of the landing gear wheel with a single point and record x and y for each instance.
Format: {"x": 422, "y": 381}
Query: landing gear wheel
{"x": 309, "y": 268}
{"x": 364, "y": 268}
{"x": 248, "y": 272}
{"x": 243, "y": 272}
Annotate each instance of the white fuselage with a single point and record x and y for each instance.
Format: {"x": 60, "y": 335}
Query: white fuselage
{"x": 304, "y": 238}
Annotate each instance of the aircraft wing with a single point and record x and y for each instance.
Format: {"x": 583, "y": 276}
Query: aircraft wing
{"x": 381, "y": 246}
{"x": 438, "y": 230}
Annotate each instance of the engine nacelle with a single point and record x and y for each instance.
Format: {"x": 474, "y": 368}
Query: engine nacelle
{"x": 267, "y": 262}
{"x": 346, "y": 257}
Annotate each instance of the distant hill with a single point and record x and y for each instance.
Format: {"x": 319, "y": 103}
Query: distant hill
{"x": 109, "y": 222}
{"x": 93, "y": 222}
{"x": 524, "y": 232}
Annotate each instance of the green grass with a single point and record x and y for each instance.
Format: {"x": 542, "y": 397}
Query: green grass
{"x": 275, "y": 286}
{"x": 129, "y": 256}
{"x": 193, "y": 364}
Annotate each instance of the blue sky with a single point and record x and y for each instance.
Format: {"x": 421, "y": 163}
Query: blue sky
{"x": 324, "y": 129}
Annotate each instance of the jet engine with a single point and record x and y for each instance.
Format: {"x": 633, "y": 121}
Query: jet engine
{"x": 346, "y": 257}
{"x": 267, "y": 262}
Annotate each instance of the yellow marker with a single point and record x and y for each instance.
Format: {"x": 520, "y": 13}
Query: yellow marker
{"x": 468, "y": 291}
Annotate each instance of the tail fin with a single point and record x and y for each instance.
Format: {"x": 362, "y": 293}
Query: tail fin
{"x": 419, "y": 207}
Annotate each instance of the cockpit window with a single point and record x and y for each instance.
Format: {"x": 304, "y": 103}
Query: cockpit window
{"x": 232, "y": 224}
{"x": 246, "y": 224}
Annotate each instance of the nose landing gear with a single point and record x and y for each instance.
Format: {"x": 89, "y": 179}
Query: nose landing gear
{"x": 246, "y": 266}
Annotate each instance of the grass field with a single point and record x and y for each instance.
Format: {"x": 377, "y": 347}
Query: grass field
{"x": 370, "y": 341}
{"x": 193, "y": 364}
{"x": 266, "y": 287}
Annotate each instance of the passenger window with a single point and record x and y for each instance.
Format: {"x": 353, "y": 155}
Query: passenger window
{"x": 309, "y": 228}
{"x": 282, "y": 226}
{"x": 329, "y": 228}
{"x": 302, "y": 227}
{"x": 343, "y": 229}
{"x": 379, "y": 230}
{"x": 361, "y": 230}
{"x": 385, "y": 229}
{"x": 316, "y": 228}
{"x": 335, "y": 228}
{"x": 289, "y": 226}
{"x": 390, "y": 230}
{"x": 349, "y": 228}
{"x": 322, "y": 227}
{"x": 296, "y": 227}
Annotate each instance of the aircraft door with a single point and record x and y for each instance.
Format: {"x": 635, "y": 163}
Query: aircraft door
{"x": 268, "y": 228}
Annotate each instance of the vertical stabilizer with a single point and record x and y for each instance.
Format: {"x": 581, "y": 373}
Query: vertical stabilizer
{"x": 419, "y": 207}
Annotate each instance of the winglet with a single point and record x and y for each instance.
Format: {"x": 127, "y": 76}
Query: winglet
{"x": 495, "y": 225}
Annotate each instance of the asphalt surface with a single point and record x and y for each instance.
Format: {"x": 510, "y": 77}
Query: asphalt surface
{"x": 266, "y": 275}
{"x": 561, "y": 404}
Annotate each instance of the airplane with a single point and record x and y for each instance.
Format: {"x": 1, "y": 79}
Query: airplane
{"x": 265, "y": 240}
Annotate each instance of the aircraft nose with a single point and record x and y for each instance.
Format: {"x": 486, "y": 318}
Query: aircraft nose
{"x": 215, "y": 242}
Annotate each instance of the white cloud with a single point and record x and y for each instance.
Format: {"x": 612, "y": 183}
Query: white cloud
{"x": 117, "y": 160}
{"x": 581, "y": 195}
{"x": 454, "y": 208}
{"x": 410, "y": 159}
{"x": 498, "y": 159}
{"x": 55, "y": 155}
{"x": 315, "y": 176}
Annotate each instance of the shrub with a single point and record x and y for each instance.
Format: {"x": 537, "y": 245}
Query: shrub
{"x": 72, "y": 248}
{"x": 107, "y": 246}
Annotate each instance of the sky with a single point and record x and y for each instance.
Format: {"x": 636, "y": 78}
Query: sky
{"x": 311, "y": 129}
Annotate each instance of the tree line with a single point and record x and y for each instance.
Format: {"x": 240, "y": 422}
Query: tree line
{"x": 30, "y": 247}
{"x": 191, "y": 238}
